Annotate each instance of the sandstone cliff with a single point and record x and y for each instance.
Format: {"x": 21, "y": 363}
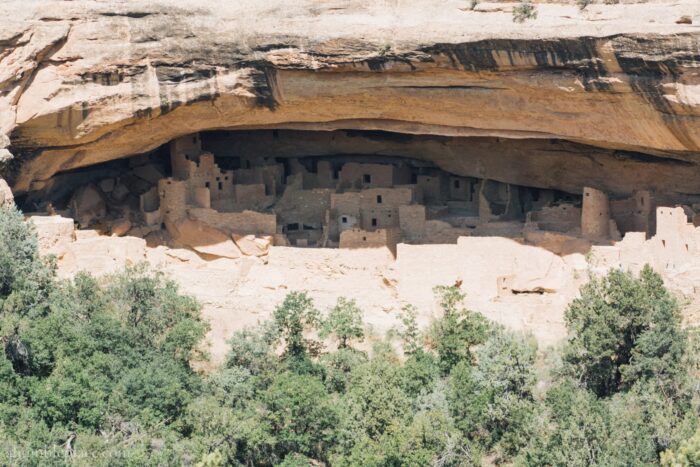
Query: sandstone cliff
{"x": 87, "y": 81}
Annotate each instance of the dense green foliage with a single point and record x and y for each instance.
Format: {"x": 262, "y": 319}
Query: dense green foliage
{"x": 99, "y": 372}
{"x": 624, "y": 330}
{"x": 92, "y": 365}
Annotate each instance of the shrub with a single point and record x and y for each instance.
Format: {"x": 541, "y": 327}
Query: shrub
{"x": 410, "y": 333}
{"x": 523, "y": 11}
{"x": 295, "y": 315}
{"x": 493, "y": 401}
{"x": 459, "y": 329}
{"x": 26, "y": 280}
{"x": 253, "y": 349}
{"x": 300, "y": 414}
{"x": 687, "y": 454}
{"x": 344, "y": 322}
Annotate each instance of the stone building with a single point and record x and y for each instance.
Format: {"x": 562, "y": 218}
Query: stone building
{"x": 595, "y": 215}
{"x": 331, "y": 202}
{"x": 360, "y": 238}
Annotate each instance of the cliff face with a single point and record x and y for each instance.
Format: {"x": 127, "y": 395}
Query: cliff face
{"x": 84, "y": 82}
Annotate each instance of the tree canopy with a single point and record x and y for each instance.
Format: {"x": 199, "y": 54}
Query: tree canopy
{"x": 99, "y": 372}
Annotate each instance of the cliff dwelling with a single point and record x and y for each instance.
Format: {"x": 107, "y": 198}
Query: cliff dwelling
{"x": 337, "y": 153}
{"x": 242, "y": 215}
{"x": 349, "y": 232}
{"x": 236, "y": 193}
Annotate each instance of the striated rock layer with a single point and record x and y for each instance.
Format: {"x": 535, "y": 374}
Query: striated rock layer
{"x": 88, "y": 81}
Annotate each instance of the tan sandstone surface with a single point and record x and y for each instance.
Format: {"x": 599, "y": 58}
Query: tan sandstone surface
{"x": 239, "y": 293}
{"x": 520, "y": 286}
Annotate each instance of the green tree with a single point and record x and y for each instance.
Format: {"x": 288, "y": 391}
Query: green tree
{"x": 344, "y": 321}
{"x": 624, "y": 329}
{"x": 457, "y": 331}
{"x": 253, "y": 349}
{"x": 419, "y": 373}
{"x": 574, "y": 431}
{"x": 26, "y": 280}
{"x": 642, "y": 423}
{"x": 295, "y": 315}
{"x": 296, "y": 460}
{"x": 410, "y": 332}
{"x": 375, "y": 398}
{"x": 687, "y": 454}
{"x": 300, "y": 414}
{"x": 493, "y": 401}
{"x": 102, "y": 363}
{"x": 339, "y": 366}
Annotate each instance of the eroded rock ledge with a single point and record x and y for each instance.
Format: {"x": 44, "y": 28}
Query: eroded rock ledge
{"x": 85, "y": 82}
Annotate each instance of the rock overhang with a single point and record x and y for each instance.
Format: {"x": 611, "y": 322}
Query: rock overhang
{"x": 100, "y": 81}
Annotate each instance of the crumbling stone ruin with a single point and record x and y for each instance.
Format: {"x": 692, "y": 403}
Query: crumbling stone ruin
{"x": 236, "y": 204}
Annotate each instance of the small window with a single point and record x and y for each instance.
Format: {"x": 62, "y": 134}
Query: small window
{"x": 457, "y": 184}
{"x": 225, "y": 178}
{"x": 221, "y": 186}
{"x": 374, "y": 222}
{"x": 336, "y": 174}
{"x": 379, "y": 199}
{"x": 344, "y": 220}
{"x": 206, "y": 185}
{"x": 367, "y": 178}
{"x": 663, "y": 242}
{"x": 364, "y": 239}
